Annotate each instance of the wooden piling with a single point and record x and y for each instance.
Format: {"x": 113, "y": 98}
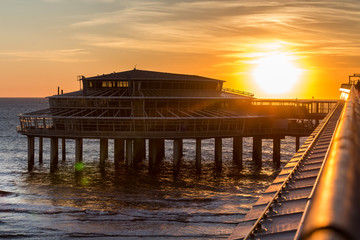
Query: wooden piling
{"x": 41, "y": 146}
{"x": 257, "y": 151}
{"x": 129, "y": 153}
{"x": 104, "y": 150}
{"x": 181, "y": 147}
{"x": 297, "y": 144}
{"x": 119, "y": 151}
{"x": 78, "y": 150}
{"x": 198, "y": 155}
{"x": 177, "y": 154}
{"x": 31, "y": 152}
{"x": 218, "y": 154}
{"x": 276, "y": 152}
{"x": 238, "y": 151}
{"x": 54, "y": 154}
{"x": 63, "y": 149}
{"x": 161, "y": 156}
{"x": 152, "y": 154}
{"x": 143, "y": 152}
{"x": 138, "y": 150}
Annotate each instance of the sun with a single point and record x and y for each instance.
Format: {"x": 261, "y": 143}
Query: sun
{"x": 276, "y": 73}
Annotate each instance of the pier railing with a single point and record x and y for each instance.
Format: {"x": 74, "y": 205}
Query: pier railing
{"x": 230, "y": 90}
{"x": 333, "y": 210}
{"x": 157, "y": 128}
{"x": 304, "y": 106}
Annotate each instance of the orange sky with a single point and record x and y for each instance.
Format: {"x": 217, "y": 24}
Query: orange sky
{"x": 48, "y": 43}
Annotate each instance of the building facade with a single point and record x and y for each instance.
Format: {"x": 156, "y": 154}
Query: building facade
{"x": 134, "y": 106}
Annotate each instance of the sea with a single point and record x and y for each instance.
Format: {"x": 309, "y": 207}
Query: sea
{"x": 124, "y": 204}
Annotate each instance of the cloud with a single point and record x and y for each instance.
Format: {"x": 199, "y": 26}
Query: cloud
{"x": 222, "y": 22}
{"x": 236, "y": 31}
{"x": 67, "y": 55}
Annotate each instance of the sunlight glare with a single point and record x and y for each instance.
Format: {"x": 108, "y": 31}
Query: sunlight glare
{"x": 276, "y": 74}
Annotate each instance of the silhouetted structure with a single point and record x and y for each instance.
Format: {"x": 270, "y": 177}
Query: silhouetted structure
{"x": 134, "y": 106}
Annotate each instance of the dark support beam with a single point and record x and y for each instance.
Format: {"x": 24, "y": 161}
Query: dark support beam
{"x": 161, "y": 143}
{"x": 139, "y": 150}
{"x": 276, "y": 152}
{"x": 63, "y": 149}
{"x": 257, "y": 151}
{"x": 31, "y": 152}
{"x": 156, "y": 153}
{"x": 152, "y": 154}
{"x": 104, "y": 150}
{"x": 129, "y": 153}
{"x": 143, "y": 152}
{"x": 119, "y": 151}
{"x": 181, "y": 148}
{"x": 78, "y": 150}
{"x": 297, "y": 144}
{"x": 41, "y": 147}
{"x": 198, "y": 155}
{"x": 238, "y": 151}
{"x": 54, "y": 154}
{"x": 218, "y": 154}
{"x": 177, "y": 152}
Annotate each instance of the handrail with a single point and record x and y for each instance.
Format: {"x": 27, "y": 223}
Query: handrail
{"x": 301, "y": 224}
{"x": 334, "y": 209}
{"x": 286, "y": 181}
{"x": 231, "y": 90}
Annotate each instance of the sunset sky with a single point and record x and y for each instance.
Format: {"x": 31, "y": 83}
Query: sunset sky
{"x": 48, "y": 43}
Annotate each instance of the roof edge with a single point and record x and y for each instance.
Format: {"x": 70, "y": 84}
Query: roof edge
{"x": 137, "y": 74}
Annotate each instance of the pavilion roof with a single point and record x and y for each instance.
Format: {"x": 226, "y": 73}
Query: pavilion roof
{"x": 137, "y": 74}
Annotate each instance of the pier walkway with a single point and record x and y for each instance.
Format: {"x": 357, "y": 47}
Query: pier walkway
{"x": 278, "y": 213}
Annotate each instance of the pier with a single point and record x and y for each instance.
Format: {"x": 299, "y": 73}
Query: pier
{"x": 140, "y": 108}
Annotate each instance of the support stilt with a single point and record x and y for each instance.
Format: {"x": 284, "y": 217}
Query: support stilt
{"x": 156, "y": 153}
{"x": 238, "y": 151}
{"x": 257, "y": 151}
{"x": 104, "y": 151}
{"x": 119, "y": 152}
{"x": 31, "y": 152}
{"x": 198, "y": 155}
{"x": 218, "y": 154}
{"x": 78, "y": 150}
{"x": 297, "y": 144}
{"x": 129, "y": 153}
{"x": 161, "y": 143}
{"x": 177, "y": 150}
{"x": 41, "y": 146}
{"x": 276, "y": 152}
{"x": 181, "y": 148}
{"x": 54, "y": 154}
{"x": 152, "y": 154}
{"x": 63, "y": 149}
{"x": 143, "y": 147}
{"x": 139, "y": 150}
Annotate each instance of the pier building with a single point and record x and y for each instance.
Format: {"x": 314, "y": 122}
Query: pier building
{"x": 136, "y": 106}
{"x": 133, "y": 106}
